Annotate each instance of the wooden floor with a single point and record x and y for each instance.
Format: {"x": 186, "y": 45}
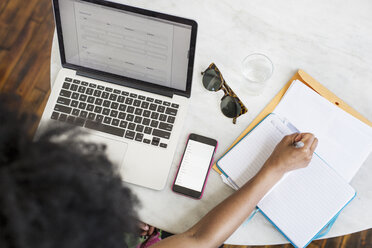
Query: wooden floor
{"x": 26, "y": 32}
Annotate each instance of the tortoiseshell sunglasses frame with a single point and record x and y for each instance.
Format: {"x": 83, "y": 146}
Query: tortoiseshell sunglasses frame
{"x": 227, "y": 90}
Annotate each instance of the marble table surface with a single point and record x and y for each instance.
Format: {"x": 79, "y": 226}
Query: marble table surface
{"x": 331, "y": 40}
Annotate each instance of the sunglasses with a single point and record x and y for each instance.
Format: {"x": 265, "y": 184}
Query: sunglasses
{"x": 231, "y": 106}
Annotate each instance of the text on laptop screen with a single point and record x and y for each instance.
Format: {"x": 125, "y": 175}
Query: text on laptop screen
{"x": 125, "y": 43}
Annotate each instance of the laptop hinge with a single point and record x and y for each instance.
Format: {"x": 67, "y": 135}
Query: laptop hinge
{"x": 135, "y": 84}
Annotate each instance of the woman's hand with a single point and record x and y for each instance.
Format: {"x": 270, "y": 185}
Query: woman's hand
{"x": 287, "y": 157}
{"x": 145, "y": 229}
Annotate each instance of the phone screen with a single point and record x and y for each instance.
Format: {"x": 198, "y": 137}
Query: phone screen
{"x": 194, "y": 168}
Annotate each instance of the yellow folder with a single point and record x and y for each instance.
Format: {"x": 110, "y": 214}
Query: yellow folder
{"x": 313, "y": 84}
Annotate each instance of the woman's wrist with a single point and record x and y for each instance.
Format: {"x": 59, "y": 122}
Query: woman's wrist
{"x": 272, "y": 171}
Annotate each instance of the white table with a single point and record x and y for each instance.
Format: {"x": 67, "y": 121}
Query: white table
{"x": 331, "y": 40}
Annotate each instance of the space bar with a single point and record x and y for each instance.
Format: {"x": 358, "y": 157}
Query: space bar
{"x": 104, "y": 128}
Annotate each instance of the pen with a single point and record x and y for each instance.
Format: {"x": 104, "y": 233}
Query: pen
{"x": 299, "y": 144}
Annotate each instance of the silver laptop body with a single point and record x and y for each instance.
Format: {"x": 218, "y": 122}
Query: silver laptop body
{"x": 126, "y": 79}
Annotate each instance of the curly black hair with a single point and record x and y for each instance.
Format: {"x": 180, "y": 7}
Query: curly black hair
{"x": 58, "y": 191}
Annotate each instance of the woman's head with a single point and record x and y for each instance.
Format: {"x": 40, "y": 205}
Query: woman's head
{"x": 58, "y": 191}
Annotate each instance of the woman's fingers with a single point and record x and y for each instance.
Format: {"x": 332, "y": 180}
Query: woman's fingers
{"x": 143, "y": 226}
{"x": 308, "y": 139}
{"x": 298, "y": 137}
{"x": 313, "y": 145}
{"x": 146, "y": 229}
{"x": 290, "y": 139}
{"x": 151, "y": 230}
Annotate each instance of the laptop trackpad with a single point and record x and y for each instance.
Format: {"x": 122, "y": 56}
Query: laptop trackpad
{"x": 115, "y": 150}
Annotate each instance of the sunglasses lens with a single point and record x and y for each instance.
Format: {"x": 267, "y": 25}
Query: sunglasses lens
{"x": 230, "y": 106}
{"x": 211, "y": 80}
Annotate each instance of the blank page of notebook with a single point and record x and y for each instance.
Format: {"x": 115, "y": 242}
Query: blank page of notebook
{"x": 344, "y": 141}
{"x": 246, "y": 158}
{"x": 302, "y": 204}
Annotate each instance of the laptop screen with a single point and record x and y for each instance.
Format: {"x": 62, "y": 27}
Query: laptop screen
{"x": 126, "y": 43}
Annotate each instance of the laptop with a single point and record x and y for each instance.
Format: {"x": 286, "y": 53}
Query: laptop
{"x": 126, "y": 79}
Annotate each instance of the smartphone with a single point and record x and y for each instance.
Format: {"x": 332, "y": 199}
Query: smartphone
{"x": 195, "y": 165}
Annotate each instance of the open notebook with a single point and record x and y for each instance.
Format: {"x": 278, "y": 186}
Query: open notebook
{"x": 304, "y": 201}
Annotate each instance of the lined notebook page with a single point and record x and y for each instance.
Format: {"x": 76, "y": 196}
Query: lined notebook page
{"x": 247, "y": 157}
{"x": 305, "y": 200}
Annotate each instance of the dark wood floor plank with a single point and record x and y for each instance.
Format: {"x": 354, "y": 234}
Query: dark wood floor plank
{"x": 3, "y": 3}
{"x": 316, "y": 244}
{"x": 41, "y": 11}
{"x": 38, "y": 50}
{"x": 351, "y": 240}
{"x": 333, "y": 243}
{"x": 12, "y": 56}
{"x": 322, "y": 243}
{"x": 42, "y": 80}
{"x": 3, "y": 57}
{"x": 38, "y": 73}
{"x": 366, "y": 238}
{"x": 42, "y": 105}
{"x": 13, "y": 19}
{"x": 34, "y": 101}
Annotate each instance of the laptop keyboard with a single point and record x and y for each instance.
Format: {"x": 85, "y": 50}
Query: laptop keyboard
{"x": 120, "y": 113}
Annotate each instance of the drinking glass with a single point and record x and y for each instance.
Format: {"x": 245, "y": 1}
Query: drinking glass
{"x": 257, "y": 68}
